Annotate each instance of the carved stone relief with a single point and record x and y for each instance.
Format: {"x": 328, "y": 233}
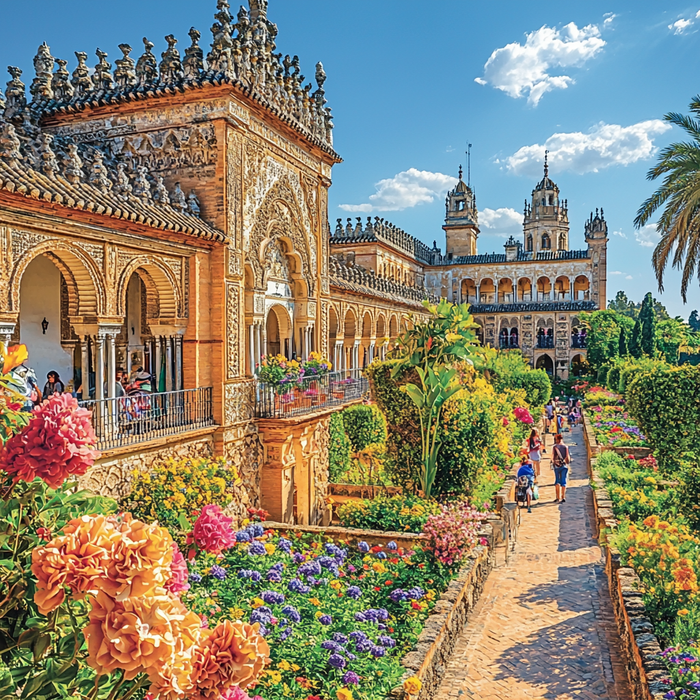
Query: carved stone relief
{"x": 239, "y": 406}
{"x": 234, "y": 179}
{"x": 233, "y": 320}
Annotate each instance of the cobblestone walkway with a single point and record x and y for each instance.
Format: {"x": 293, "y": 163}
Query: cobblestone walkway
{"x": 544, "y": 627}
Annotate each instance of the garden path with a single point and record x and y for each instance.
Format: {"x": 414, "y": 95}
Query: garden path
{"x": 544, "y": 626}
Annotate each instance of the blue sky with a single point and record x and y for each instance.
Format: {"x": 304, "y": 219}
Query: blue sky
{"x": 411, "y": 82}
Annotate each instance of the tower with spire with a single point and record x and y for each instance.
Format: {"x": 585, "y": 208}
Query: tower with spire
{"x": 546, "y": 217}
{"x": 461, "y": 220}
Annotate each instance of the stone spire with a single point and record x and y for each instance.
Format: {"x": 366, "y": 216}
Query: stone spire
{"x": 258, "y": 10}
{"x": 3, "y": 104}
{"x": 220, "y": 58}
{"x": 43, "y": 65}
{"x": 147, "y": 66}
{"x": 15, "y": 95}
{"x": 103, "y": 72}
{"x": 171, "y": 66}
{"x": 9, "y": 145}
{"x": 60, "y": 84}
{"x": 125, "y": 73}
{"x": 81, "y": 80}
{"x": 546, "y": 165}
{"x": 193, "y": 64}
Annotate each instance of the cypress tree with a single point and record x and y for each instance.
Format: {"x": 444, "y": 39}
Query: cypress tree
{"x": 636, "y": 343}
{"x": 624, "y": 350}
{"x": 647, "y": 318}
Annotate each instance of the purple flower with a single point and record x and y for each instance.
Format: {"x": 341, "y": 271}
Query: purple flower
{"x": 274, "y": 576}
{"x": 351, "y": 678}
{"x": 354, "y": 592}
{"x": 285, "y": 633}
{"x": 262, "y": 615}
{"x": 256, "y": 530}
{"x": 292, "y": 613}
{"x": 331, "y": 646}
{"x": 262, "y": 630}
{"x": 362, "y": 646}
{"x": 392, "y": 546}
{"x": 296, "y": 585}
{"x": 279, "y": 566}
{"x": 298, "y": 558}
{"x": 360, "y": 617}
{"x": 363, "y": 547}
{"x": 195, "y": 578}
{"x": 381, "y": 626}
{"x": 357, "y": 635}
{"x": 378, "y": 651}
{"x": 386, "y": 641}
{"x": 243, "y": 536}
{"x": 381, "y": 555}
{"x": 310, "y": 568}
{"x": 218, "y": 572}
{"x": 415, "y": 593}
{"x": 272, "y": 597}
{"x": 337, "y": 661}
{"x": 398, "y": 594}
{"x": 325, "y": 620}
{"x": 340, "y": 638}
{"x": 257, "y": 549}
{"x": 284, "y": 545}
{"x": 351, "y": 569}
{"x": 328, "y": 563}
{"x": 350, "y": 656}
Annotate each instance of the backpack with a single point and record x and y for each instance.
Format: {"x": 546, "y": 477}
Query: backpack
{"x": 560, "y": 451}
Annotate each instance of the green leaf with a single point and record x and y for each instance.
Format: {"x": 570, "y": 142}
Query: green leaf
{"x": 184, "y": 522}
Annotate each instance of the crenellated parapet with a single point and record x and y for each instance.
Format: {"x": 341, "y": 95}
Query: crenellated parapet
{"x": 242, "y": 55}
{"x": 358, "y": 279}
{"x": 384, "y": 231}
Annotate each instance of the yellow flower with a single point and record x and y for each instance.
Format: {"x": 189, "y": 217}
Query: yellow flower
{"x": 379, "y": 567}
{"x": 313, "y": 601}
{"x": 683, "y": 612}
{"x": 318, "y": 614}
{"x": 412, "y": 685}
{"x": 284, "y": 665}
{"x": 343, "y": 694}
{"x": 274, "y": 676}
{"x": 258, "y": 602}
{"x": 270, "y": 548}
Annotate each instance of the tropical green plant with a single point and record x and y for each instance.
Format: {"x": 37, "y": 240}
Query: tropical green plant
{"x": 679, "y": 195}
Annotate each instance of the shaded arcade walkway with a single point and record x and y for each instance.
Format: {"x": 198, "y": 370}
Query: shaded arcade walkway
{"x": 544, "y": 627}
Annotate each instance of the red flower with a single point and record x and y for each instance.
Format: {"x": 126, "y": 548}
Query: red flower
{"x": 388, "y": 583}
{"x": 377, "y": 588}
{"x": 44, "y": 533}
{"x": 429, "y": 344}
{"x": 415, "y": 606}
{"x": 56, "y": 444}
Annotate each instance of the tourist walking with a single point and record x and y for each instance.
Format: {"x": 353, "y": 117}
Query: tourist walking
{"x": 560, "y": 461}
{"x": 548, "y": 416}
{"x": 526, "y": 481}
{"x": 534, "y": 448}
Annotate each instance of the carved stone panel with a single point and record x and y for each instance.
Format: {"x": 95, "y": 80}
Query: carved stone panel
{"x": 239, "y": 406}
{"x": 233, "y": 336}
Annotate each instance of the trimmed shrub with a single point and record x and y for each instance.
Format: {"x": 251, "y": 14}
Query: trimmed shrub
{"x": 665, "y": 402}
{"x": 509, "y": 370}
{"x": 364, "y": 426}
{"x": 338, "y": 448}
{"x": 403, "y": 513}
{"x": 613, "y": 379}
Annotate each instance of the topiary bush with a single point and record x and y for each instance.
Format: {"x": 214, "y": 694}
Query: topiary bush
{"x": 665, "y": 402}
{"x": 613, "y": 379}
{"x": 338, "y": 448}
{"x": 364, "y": 426}
{"x": 510, "y": 370}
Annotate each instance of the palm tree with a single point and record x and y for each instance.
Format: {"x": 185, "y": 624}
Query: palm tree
{"x": 679, "y": 194}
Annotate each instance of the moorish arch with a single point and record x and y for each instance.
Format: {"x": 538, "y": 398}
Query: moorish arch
{"x": 84, "y": 279}
{"x": 161, "y": 285}
{"x": 278, "y": 217}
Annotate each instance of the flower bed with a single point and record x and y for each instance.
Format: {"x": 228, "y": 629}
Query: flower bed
{"x": 613, "y": 426}
{"x": 401, "y": 513}
{"x": 338, "y": 619}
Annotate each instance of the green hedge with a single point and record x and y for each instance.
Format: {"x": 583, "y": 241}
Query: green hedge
{"x": 511, "y": 371}
{"x": 364, "y": 426}
{"x": 665, "y": 401}
{"x": 338, "y": 448}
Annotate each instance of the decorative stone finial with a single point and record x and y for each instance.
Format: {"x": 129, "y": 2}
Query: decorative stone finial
{"x": 193, "y": 206}
{"x": 258, "y": 10}
{"x": 193, "y": 64}
{"x": 81, "y": 80}
{"x": 171, "y": 66}
{"x": 142, "y": 188}
{"x": 73, "y": 165}
{"x": 161, "y": 192}
{"x": 9, "y": 145}
{"x": 3, "y": 104}
{"x": 220, "y": 59}
{"x": 43, "y": 65}
{"x": 103, "y": 72}
{"x": 177, "y": 199}
{"x": 125, "y": 74}
{"x": 320, "y": 75}
{"x": 123, "y": 185}
{"x": 147, "y": 66}
{"x": 60, "y": 83}
{"x": 48, "y": 163}
{"x": 15, "y": 95}
{"x": 546, "y": 165}
{"x": 98, "y": 173}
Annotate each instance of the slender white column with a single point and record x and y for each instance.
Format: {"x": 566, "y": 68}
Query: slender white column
{"x": 111, "y": 368}
{"x": 85, "y": 366}
{"x": 168, "y": 363}
{"x": 258, "y": 344}
{"x": 251, "y": 349}
{"x": 158, "y": 363}
{"x": 99, "y": 368}
{"x": 178, "y": 363}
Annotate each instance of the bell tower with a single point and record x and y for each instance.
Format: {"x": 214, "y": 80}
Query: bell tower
{"x": 596, "y": 232}
{"x": 546, "y": 218}
{"x": 461, "y": 220}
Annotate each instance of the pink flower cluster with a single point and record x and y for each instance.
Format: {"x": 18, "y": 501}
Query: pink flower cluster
{"x": 523, "y": 415}
{"x": 452, "y": 533}
{"x": 56, "y": 444}
{"x": 179, "y": 573}
{"x": 213, "y": 532}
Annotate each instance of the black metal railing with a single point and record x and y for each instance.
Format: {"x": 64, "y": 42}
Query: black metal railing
{"x": 578, "y": 341}
{"x": 545, "y": 342}
{"x": 310, "y": 396}
{"x": 130, "y": 420}
{"x": 509, "y": 344}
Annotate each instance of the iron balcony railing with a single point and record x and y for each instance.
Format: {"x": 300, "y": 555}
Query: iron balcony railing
{"x": 130, "y": 420}
{"x": 545, "y": 341}
{"x": 578, "y": 341}
{"x": 311, "y": 395}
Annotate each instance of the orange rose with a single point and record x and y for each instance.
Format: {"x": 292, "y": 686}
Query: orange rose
{"x": 139, "y": 634}
{"x": 13, "y": 357}
{"x": 140, "y": 559}
{"x": 234, "y": 653}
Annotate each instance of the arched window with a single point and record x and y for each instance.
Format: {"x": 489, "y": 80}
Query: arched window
{"x": 546, "y": 242}
{"x": 528, "y": 244}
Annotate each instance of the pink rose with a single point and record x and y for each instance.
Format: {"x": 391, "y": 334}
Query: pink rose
{"x": 212, "y": 531}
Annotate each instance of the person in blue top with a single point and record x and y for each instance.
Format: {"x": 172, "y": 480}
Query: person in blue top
{"x": 526, "y": 480}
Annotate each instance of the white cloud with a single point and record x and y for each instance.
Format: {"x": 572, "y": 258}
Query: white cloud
{"x": 502, "y": 222}
{"x": 524, "y": 70}
{"x": 616, "y": 272}
{"x": 629, "y": 277}
{"x": 405, "y": 190}
{"x": 680, "y": 25}
{"x": 608, "y": 18}
{"x": 604, "y": 145}
{"x": 621, "y": 234}
{"x": 647, "y": 236}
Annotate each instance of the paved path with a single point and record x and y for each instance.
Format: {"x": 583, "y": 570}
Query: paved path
{"x": 544, "y": 627}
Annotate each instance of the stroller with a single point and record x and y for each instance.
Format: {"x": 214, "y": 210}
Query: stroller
{"x": 522, "y": 486}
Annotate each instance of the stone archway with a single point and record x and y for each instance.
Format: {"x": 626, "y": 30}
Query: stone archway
{"x": 546, "y": 363}
{"x": 278, "y": 331}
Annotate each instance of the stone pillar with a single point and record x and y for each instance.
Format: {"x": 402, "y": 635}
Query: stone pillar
{"x": 168, "y": 363}
{"x": 85, "y": 367}
{"x": 251, "y": 349}
{"x": 158, "y": 363}
{"x": 258, "y": 343}
{"x": 178, "y": 362}
{"x": 111, "y": 368}
{"x": 99, "y": 368}
{"x": 371, "y": 350}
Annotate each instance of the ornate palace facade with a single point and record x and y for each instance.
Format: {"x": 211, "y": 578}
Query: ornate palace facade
{"x": 171, "y": 214}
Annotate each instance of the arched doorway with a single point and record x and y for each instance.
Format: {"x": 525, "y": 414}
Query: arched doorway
{"x": 43, "y": 323}
{"x": 278, "y": 329}
{"x": 349, "y": 346}
{"x": 545, "y": 362}
{"x": 577, "y": 365}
